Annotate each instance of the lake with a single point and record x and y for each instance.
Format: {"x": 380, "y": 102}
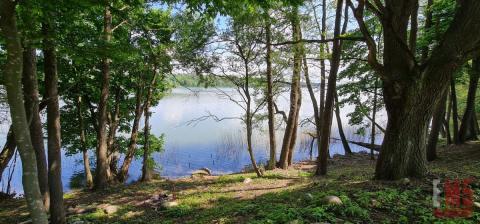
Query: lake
{"x": 219, "y": 146}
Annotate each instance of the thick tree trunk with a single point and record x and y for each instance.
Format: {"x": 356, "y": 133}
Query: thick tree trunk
{"x": 12, "y": 77}
{"x": 411, "y": 91}
{"x": 467, "y": 128}
{"x": 331, "y": 91}
{"x": 83, "y": 143}
{"x": 30, "y": 89}
{"x": 271, "y": 113}
{"x": 147, "y": 168}
{"x": 102, "y": 175}
{"x": 8, "y": 151}
{"x": 294, "y": 94}
{"x": 132, "y": 145}
{"x": 437, "y": 122}
{"x": 453, "y": 96}
{"x": 345, "y": 144}
{"x": 57, "y": 213}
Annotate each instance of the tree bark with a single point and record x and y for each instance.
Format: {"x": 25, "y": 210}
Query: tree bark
{"x": 428, "y": 24}
{"x": 249, "y": 118}
{"x": 147, "y": 169}
{"x": 270, "y": 108}
{"x": 331, "y": 90}
{"x": 57, "y": 213}
{"x": 374, "y": 110}
{"x": 294, "y": 93}
{"x": 30, "y": 89}
{"x": 453, "y": 96}
{"x": 112, "y": 152}
{"x": 467, "y": 128}
{"x": 316, "y": 113}
{"x": 132, "y": 145}
{"x": 83, "y": 143}
{"x": 437, "y": 122}
{"x": 411, "y": 92}
{"x": 446, "y": 121}
{"x": 8, "y": 151}
{"x": 323, "y": 36}
{"x": 12, "y": 77}
{"x": 102, "y": 169}
{"x": 345, "y": 144}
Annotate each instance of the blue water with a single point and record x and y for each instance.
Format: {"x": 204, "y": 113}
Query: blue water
{"x": 216, "y": 145}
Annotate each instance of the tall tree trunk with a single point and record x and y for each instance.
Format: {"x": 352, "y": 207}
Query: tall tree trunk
{"x": 453, "y": 96}
{"x": 132, "y": 145}
{"x": 102, "y": 175}
{"x": 467, "y": 128}
{"x": 428, "y": 24}
{"x": 57, "y": 213}
{"x": 293, "y": 141}
{"x": 249, "y": 143}
{"x": 30, "y": 89}
{"x": 12, "y": 74}
{"x": 437, "y": 122}
{"x": 147, "y": 169}
{"x": 413, "y": 29}
{"x": 83, "y": 143}
{"x": 112, "y": 152}
{"x": 374, "y": 113}
{"x": 345, "y": 144}
{"x": 446, "y": 121}
{"x": 249, "y": 118}
{"x": 294, "y": 93}
{"x": 331, "y": 90}
{"x": 316, "y": 113}
{"x": 323, "y": 36}
{"x": 8, "y": 151}
{"x": 270, "y": 108}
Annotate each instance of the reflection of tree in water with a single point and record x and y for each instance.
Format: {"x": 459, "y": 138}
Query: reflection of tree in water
{"x": 230, "y": 147}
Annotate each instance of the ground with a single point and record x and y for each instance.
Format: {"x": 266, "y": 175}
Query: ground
{"x": 292, "y": 196}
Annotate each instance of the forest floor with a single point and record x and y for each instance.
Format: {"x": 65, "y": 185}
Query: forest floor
{"x": 291, "y": 196}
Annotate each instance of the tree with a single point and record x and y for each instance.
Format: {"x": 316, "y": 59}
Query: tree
{"x": 411, "y": 90}
{"x": 57, "y": 212}
{"x": 12, "y": 80}
{"x": 290, "y": 135}
{"x": 467, "y": 129}
{"x": 331, "y": 91}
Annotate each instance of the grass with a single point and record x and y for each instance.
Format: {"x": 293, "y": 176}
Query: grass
{"x": 292, "y": 196}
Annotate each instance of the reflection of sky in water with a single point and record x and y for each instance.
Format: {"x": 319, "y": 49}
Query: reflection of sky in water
{"x": 216, "y": 145}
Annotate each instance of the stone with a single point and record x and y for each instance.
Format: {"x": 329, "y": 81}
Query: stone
{"x": 374, "y": 203}
{"x": 169, "y": 204}
{"x": 296, "y": 221}
{"x": 109, "y": 209}
{"x": 476, "y": 205}
{"x": 309, "y": 196}
{"x": 405, "y": 181}
{"x": 332, "y": 200}
{"x": 247, "y": 180}
{"x": 202, "y": 172}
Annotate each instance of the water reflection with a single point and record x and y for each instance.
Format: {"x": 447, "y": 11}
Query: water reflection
{"x": 220, "y": 146}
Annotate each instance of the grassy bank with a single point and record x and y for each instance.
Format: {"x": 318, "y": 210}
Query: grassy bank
{"x": 292, "y": 196}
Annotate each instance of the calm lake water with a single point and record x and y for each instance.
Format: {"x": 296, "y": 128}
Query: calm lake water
{"x": 218, "y": 146}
